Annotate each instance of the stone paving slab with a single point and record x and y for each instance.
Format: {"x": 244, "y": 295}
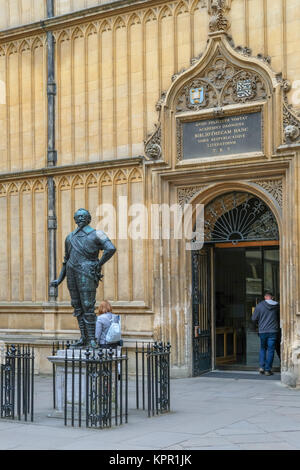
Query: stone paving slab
{"x": 207, "y": 413}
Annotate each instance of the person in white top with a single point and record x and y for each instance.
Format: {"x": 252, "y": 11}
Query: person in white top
{"x": 105, "y": 317}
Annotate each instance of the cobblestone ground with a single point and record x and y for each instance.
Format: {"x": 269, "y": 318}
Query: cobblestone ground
{"x": 231, "y": 411}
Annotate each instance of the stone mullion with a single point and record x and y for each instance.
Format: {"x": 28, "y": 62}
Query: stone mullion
{"x": 21, "y": 246}
{"x": 265, "y": 19}
{"x": 159, "y": 42}
{"x": 99, "y": 199}
{"x": 72, "y": 196}
{"x": 46, "y": 241}
{"x": 33, "y": 231}
{"x": 32, "y": 107}
{"x": 114, "y": 87}
{"x": 8, "y": 233}
{"x": 246, "y": 14}
{"x": 115, "y": 258}
{"x": 7, "y": 78}
{"x": 192, "y": 32}
{"x": 284, "y": 40}
{"x": 175, "y": 40}
{"x": 129, "y": 98}
{"x": 20, "y": 91}
{"x": 86, "y": 94}
{"x": 130, "y": 244}
{"x": 72, "y": 101}
{"x": 100, "y": 137}
{"x": 59, "y": 228}
{"x": 144, "y": 77}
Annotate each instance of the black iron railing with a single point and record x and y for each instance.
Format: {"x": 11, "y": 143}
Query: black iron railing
{"x": 95, "y": 387}
{"x": 153, "y": 377}
{"x": 17, "y": 383}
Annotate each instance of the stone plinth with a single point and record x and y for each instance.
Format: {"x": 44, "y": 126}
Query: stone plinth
{"x": 59, "y": 361}
{"x": 60, "y": 377}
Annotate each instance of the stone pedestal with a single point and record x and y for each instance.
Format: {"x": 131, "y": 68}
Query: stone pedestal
{"x": 60, "y": 377}
{"x": 73, "y": 381}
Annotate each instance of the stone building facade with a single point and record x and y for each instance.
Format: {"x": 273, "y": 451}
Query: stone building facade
{"x": 96, "y": 99}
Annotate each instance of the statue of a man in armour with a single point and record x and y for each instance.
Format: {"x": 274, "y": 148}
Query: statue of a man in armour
{"x": 82, "y": 267}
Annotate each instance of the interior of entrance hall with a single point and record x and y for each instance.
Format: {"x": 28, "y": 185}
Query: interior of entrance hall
{"x": 242, "y": 275}
{"x": 238, "y": 263}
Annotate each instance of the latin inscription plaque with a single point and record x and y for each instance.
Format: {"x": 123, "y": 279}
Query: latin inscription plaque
{"x": 222, "y": 136}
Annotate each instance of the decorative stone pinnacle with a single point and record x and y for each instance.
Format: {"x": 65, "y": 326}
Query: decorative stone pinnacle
{"x": 218, "y": 20}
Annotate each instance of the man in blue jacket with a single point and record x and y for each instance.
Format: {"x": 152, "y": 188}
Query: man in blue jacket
{"x": 266, "y": 314}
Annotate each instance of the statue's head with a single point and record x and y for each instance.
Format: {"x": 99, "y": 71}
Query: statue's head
{"x": 82, "y": 217}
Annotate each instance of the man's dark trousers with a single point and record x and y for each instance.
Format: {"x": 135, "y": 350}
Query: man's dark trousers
{"x": 267, "y": 350}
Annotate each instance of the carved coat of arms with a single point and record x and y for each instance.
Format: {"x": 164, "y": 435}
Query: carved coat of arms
{"x": 197, "y": 95}
{"x": 244, "y": 88}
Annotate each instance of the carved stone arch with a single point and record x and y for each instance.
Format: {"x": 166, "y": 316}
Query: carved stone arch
{"x": 219, "y": 70}
{"x": 25, "y": 187}
{"x": 119, "y": 23}
{"x": 106, "y": 178}
{"x": 120, "y": 177}
{"x": 12, "y": 48}
{"x": 164, "y": 12}
{"x": 78, "y": 32}
{"x": 149, "y": 15}
{"x": 91, "y": 181}
{"x": 3, "y": 190}
{"x": 197, "y": 4}
{"x": 106, "y": 25}
{"x": 37, "y": 43}
{"x": 64, "y": 183}
{"x": 182, "y": 7}
{"x": 224, "y": 77}
{"x": 63, "y": 36}
{"x": 90, "y": 30}
{"x": 12, "y": 189}
{"x": 24, "y": 46}
{"x": 135, "y": 175}
{"x": 218, "y": 189}
{"x": 134, "y": 19}
{"x": 38, "y": 186}
{"x": 77, "y": 182}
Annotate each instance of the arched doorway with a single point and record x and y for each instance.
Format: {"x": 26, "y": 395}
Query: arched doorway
{"x": 239, "y": 261}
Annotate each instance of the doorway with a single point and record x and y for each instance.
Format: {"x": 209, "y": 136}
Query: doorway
{"x": 238, "y": 262}
{"x": 242, "y": 275}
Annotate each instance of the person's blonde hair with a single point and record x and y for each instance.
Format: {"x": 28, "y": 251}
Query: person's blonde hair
{"x": 104, "y": 307}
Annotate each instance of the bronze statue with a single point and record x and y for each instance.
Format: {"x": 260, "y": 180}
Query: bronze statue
{"x": 82, "y": 268}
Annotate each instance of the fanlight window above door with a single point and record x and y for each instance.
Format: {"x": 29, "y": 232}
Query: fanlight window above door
{"x": 239, "y": 216}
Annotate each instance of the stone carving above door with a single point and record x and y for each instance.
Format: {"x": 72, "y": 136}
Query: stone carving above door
{"x": 153, "y": 145}
{"x": 185, "y": 195}
{"x": 272, "y": 186}
{"x": 218, "y": 20}
{"x": 222, "y": 79}
{"x": 291, "y": 120}
{"x": 222, "y": 83}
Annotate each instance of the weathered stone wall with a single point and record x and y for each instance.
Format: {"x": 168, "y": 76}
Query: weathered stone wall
{"x": 112, "y": 69}
{"x": 113, "y": 61}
